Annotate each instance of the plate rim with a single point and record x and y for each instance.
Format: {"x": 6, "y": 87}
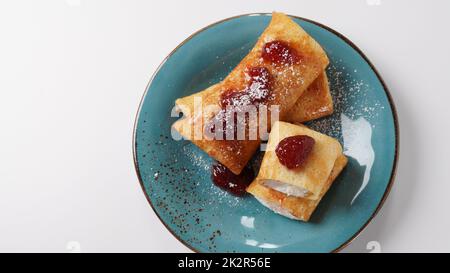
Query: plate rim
{"x": 339, "y": 35}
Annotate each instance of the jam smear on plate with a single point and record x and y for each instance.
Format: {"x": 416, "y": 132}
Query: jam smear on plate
{"x": 293, "y": 151}
{"x": 235, "y": 184}
{"x": 280, "y": 53}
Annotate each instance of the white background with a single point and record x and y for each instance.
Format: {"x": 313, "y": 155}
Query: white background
{"x": 72, "y": 73}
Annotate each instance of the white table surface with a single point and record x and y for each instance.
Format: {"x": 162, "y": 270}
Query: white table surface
{"x": 72, "y": 73}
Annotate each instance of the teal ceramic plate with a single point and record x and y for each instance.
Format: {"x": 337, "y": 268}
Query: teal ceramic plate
{"x": 175, "y": 175}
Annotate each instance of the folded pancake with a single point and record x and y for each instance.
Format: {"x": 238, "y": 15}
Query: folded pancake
{"x": 308, "y": 180}
{"x": 297, "y": 208}
{"x": 315, "y": 103}
{"x": 282, "y": 80}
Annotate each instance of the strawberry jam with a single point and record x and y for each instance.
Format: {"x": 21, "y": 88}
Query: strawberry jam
{"x": 233, "y": 98}
{"x": 235, "y": 184}
{"x": 280, "y": 53}
{"x": 257, "y": 91}
{"x": 293, "y": 151}
{"x": 259, "y": 86}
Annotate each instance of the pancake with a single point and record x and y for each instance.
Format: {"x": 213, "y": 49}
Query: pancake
{"x": 297, "y": 208}
{"x": 289, "y": 79}
{"x": 308, "y": 180}
{"x": 315, "y": 103}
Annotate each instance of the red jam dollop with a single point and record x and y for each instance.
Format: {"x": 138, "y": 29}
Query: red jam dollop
{"x": 259, "y": 86}
{"x": 257, "y": 91}
{"x": 235, "y": 184}
{"x": 293, "y": 151}
{"x": 279, "y": 52}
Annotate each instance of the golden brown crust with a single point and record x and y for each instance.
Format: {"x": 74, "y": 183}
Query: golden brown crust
{"x": 289, "y": 84}
{"x": 316, "y": 102}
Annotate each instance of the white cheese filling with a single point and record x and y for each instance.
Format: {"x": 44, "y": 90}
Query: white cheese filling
{"x": 275, "y": 207}
{"x": 286, "y": 188}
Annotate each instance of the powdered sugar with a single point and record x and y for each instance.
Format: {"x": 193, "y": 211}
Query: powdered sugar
{"x": 351, "y": 96}
{"x": 197, "y": 159}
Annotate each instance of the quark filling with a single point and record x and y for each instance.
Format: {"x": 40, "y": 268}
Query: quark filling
{"x": 286, "y": 188}
{"x": 276, "y": 207}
